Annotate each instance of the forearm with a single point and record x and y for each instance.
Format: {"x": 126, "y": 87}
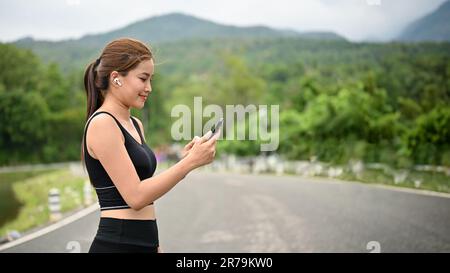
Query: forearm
{"x": 154, "y": 187}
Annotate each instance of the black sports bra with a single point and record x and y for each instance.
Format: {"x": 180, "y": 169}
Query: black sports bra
{"x": 141, "y": 155}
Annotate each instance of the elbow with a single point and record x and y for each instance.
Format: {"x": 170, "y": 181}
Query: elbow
{"x": 136, "y": 204}
{"x": 138, "y": 200}
{"x": 132, "y": 198}
{"x": 133, "y": 201}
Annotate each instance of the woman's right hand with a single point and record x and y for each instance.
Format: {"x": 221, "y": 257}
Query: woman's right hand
{"x": 203, "y": 150}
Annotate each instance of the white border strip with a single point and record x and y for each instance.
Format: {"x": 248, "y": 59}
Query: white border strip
{"x": 382, "y": 186}
{"x": 52, "y": 227}
{"x": 414, "y": 191}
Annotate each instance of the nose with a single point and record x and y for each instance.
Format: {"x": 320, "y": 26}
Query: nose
{"x": 148, "y": 87}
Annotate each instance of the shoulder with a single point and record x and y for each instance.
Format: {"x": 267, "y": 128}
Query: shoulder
{"x": 102, "y": 121}
{"x": 100, "y": 124}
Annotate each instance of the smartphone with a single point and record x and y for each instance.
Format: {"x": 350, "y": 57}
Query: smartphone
{"x": 216, "y": 127}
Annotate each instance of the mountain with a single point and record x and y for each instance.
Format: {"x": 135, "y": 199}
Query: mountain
{"x": 157, "y": 30}
{"x": 179, "y": 26}
{"x": 432, "y": 27}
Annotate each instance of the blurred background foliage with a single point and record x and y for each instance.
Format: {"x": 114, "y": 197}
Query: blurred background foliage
{"x": 339, "y": 100}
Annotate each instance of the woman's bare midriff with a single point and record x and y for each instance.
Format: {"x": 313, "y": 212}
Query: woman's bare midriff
{"x": 146, "y": 213}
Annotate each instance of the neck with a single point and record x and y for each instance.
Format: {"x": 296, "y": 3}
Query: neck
{"x": 117, "y": 108}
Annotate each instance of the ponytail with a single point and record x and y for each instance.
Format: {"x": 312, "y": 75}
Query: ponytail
{"x": 94, "y": 97}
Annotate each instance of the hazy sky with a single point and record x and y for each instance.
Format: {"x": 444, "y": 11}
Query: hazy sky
{"x": 354, "y": 19}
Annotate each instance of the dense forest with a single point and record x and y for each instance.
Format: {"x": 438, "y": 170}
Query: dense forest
{"x": 387, "y": 102}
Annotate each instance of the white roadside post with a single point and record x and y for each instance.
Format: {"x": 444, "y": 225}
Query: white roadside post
{"x": 54, "y": 204}
{"x": 87, "y": 190}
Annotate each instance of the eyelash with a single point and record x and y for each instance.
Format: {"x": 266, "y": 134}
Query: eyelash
{"x": 145, "y": 79}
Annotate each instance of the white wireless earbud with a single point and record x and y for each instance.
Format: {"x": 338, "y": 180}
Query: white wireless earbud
{"x": 117, "y": 81}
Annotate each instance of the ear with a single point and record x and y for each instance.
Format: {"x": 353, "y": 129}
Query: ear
{"x": 114, "y": 74}
{"x": 114, "y": 78}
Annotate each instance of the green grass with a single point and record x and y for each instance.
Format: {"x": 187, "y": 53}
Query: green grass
{"x": 32, "y": 194}
{"x": 15, "y": 176}
{"x": 9, "y": 204}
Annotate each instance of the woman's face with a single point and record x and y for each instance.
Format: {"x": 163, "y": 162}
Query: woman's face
{"x": 136, "y": 85}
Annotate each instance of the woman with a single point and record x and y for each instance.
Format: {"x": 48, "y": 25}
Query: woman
{"x": 119, "y": 163}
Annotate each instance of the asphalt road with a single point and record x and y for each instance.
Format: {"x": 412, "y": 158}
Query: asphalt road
{"x": 212, "y": 212}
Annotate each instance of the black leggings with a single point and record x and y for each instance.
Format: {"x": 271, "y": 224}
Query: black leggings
{"x": 125, "y": 236}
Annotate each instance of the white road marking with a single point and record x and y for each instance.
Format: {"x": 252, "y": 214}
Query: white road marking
{"x": 52, "y": 227}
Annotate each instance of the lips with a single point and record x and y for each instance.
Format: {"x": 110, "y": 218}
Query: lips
{"x": 143, "y": 97}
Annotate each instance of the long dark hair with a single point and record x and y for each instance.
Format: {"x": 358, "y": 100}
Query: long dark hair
{"x": 121, "y": 55}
